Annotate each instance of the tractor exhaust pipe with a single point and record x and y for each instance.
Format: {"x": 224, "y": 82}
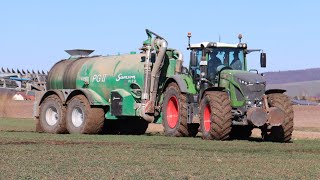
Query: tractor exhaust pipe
{"x": 179, "y": 61}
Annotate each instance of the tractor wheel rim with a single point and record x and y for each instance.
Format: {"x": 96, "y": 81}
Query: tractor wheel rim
{"x": 77, "y": 117}
{"x": 52, "y": 116}
{"x": 172, "y": 112}
{"x": 207, "y": 118}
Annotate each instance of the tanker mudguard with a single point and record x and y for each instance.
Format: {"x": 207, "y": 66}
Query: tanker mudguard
{"x": 93, "y": 97}
{"x": 57, "y": 92}
{"x": 40, "y": 97}
{"x": 67, "y": 94}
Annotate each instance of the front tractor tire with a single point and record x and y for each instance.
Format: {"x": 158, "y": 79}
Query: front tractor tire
{"x": 282, "y": 133}
{"x": 82, "y": 118}
{"x": 174, "y": 111}
{"x": 52, "y": 115}
{"x": 215, "y": 116}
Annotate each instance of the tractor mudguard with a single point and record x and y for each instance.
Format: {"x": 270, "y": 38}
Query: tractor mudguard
{"x": 271, "y": 91}
{"x": 212, "y": 89}
{"x": 184, "y": 82}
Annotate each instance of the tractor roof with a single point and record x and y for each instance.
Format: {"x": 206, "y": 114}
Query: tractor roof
{"x": 218, "y": 44}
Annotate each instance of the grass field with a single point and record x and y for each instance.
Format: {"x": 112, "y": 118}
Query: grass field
{"x": 25, "y": 154}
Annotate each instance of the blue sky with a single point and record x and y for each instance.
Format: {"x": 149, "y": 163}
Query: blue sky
{"x": 34, "y": 33}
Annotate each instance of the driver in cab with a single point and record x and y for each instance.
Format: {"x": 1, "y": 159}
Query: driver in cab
{"x": 236, "y": 63}
{"x": 213, "y": 63}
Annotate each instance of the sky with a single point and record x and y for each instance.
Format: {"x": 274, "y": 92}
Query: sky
{"x": 35, "y": 33}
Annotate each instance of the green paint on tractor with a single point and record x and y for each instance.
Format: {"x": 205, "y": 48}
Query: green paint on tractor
{"x": 233, "y": 100}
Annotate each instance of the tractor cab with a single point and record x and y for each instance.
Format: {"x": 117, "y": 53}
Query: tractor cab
{"x": 216, "y": 57}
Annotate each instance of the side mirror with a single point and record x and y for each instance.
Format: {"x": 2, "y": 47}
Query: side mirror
{"x": 263, "y": 60}
{"x": 193, "y": 59}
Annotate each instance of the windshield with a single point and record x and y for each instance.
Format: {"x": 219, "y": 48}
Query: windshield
{"x": 224, "y": 57}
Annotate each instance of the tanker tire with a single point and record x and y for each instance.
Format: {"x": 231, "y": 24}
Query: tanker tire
{"x": 52, "y": 116}
{"x": 180, "y": 128}
{"x": 82, "y": 118}
{"x": 215, "y": 116}
{"x": 241, "y": 132}
{"x": 282, "y": 133}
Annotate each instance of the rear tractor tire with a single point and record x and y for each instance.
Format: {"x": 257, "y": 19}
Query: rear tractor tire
{"x": 52, "y": 115}
{"x": 82, "y": 118}
{"x": 174, "y": 111}
{"x": 282, "y": 133}
{"x": 215, "y": 116}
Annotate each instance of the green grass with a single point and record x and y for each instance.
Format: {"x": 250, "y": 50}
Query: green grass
{"x": 14, "y": 124}
{"x": 25, "y": 155}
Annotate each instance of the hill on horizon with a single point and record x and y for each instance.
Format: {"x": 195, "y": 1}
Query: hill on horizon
{"x": 292, "y": 76}
{"x": 298, "y": 83}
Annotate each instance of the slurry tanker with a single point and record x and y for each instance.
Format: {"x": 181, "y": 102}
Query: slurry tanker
{"x": 121, "y": 93}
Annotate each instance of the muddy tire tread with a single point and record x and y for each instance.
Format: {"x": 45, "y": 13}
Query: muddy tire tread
{"x": 220, "y": 115}
{"x": 283, "y": 102}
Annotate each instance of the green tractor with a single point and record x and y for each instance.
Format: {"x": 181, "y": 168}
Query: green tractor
{"x": 232, "y": 100}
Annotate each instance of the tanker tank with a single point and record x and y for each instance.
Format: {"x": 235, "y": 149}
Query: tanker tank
{"x": 100, "y": 74}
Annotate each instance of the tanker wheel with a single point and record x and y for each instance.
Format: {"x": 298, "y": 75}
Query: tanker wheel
{"x": 241, "y": 132}
{"x": 215, "y": 116}
{"x": 82, "y": 118}
{"x": 282, "y": 133}
{"x": 52, "y": 115}
{"x": 174, "y": 111}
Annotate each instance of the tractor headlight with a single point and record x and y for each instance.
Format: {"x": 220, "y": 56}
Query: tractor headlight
{"x": 249, "y": 103}
{"x": 244, "y": 82}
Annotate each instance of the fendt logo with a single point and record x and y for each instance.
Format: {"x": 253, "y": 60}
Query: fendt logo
{"x": 130, "y": 78}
